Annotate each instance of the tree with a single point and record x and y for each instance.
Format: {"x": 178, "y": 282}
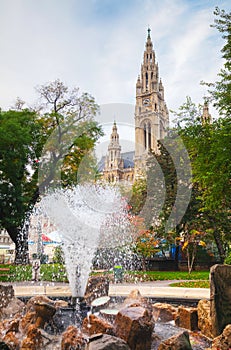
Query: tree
{"x": 42, "y": 149}
{"x": 220, "y": 91}
{"x": 209, "y": 147}
{"x": 192, "y": 239}
{"x": 188, "y": 114}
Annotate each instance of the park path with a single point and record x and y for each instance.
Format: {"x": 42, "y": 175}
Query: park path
{"x": 158, "y": 289}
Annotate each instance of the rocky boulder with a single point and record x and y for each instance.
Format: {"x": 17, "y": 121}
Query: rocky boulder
{"x": 106, "y": 342}
{"x": 223, "y": 341}
{"x": 37, "y": 299}
{"x": 204, "y": 319}
{"x": 135, "y": 325}
{"x": 187, "y": 318}
{"x": 15, "y": 306}
{"x": 6, "y": 294}
{"x": 33, "y": 339}
{"x": 72, "y": 339}
{"x": 95, "y": 325}
{"x": 97, "y": 286}
{"x": 177, "y": 342}
{"x": 164, "y": 312}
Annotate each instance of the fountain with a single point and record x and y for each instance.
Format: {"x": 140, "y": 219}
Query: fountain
{"x": 87, "y": 217}
{"x": 90, "y": 217}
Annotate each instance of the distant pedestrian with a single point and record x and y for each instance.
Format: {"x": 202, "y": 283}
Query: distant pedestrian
{"x": 35, "y": 269}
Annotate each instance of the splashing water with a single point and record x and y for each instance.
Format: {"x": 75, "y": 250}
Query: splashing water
{"x": 86, "y": 216}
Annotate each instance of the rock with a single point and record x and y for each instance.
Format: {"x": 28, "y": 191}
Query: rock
{"x": 27, "y": 320}
{"x": 33, "y": 339}
{"x": 14, "y": 307}
{"x": 135, "y": 325}
{"x": 187, "y": 318}
{"x": 44, "y": 313}
{"x": 136, "y": 299}
{"x": 106, "y": 342}
{"x": 98, "y": 303}
{"x": 13, "y": 326}
{"x": 97, "y": 286}
{"x": 6, "y": 294}
{"x": 37, "y": 299}
{"x": 204, "y": 319}
{"x": 177, "y": 342}
{"x": 164, "y": 312}
{"x": 220, "y": 296}
{"x": 109, "y": 314}
{"x": 4, "y": 346}
{"x": 60, "y": 303}
{"x": 12, "y": 341}
{"x": 72, "y": 339}
{"x": 94, "y": 325}
{"x": 223, "y": 341}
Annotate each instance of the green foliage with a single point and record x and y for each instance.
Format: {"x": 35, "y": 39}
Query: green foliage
{"x": 58, "y": 256}
{"x": 139, "y": 194}
{"x": 168, "y": 275}
{"x": 19, "y": 151}
{"x": 209, "y": 147}
{"x": 192, "y": 284}
{"x": 48, "y": 272}
{"x": 146, "y": 244}
{"x": 220, "y": 91}
{"x": 188, "y": 114}
{"x": 51, "y": 144}
{"x": 228, "y": 258}
{"x": 53, "y": 272}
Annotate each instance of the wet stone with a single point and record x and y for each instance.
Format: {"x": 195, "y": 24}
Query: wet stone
{"x": 187, "y": 318}
{"x": 164, "y": 312}
{"x": 15, "y": 306}
{"x": 106, "y": 342}
{"x": 6, "y": 294}
{"x": 72, "y": 339}
{"x": 97, "y": 287}
{"x": 223, "y": 341}
{"x": 204, "y": 319}
{"x": 220, "y": 296}
{"x": 178, "y": 342}
{"x": 94, "y": 325}
{"x": 135, "y": 325}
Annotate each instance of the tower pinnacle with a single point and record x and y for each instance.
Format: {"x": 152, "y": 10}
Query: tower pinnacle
{"x": 149, "y": 30}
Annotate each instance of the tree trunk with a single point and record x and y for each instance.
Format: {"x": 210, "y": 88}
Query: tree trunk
{"x": 143, "y": 260}
{"x": 21, "y": 252}
{"x": 176, "y": 257}
{"x": 20, "y": 239}
{"x": 219, "y": 244}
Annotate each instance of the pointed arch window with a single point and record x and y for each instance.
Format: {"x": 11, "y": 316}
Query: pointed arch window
{"x": 146, "y": 80}
{"x": 145, "y": 137}
{"x": 149, "y": 136}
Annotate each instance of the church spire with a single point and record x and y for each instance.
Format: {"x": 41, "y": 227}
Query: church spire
{"x": 206, "y": 116}
{"x": 151, "y": 114}
{"x": 149, "y": 30}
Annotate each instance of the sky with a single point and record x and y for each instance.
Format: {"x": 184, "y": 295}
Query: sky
{"x": 98, "y": 46}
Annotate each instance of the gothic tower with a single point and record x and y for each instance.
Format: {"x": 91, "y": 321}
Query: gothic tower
{"x": 117, "y": 166}
{"x": 206, "y": 116}
{"x": 151, "y": 113}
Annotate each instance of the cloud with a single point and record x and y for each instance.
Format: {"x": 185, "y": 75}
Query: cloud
{"x": 98, "y": 46}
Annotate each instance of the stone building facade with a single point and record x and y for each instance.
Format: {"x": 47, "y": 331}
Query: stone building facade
{"x": 117, "y": 166}
{"x": 151, "y": 113}
{"x": 151, "y": 124}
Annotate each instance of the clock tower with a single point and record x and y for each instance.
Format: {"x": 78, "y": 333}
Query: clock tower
{"x": 151, "y": 113}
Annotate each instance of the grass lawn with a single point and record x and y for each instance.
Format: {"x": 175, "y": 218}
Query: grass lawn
{"x": 48, "y": 272}
{"x": 57, "y": 273}
{"x": 168, "y": 275}
{"x": 192, "y": 284}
